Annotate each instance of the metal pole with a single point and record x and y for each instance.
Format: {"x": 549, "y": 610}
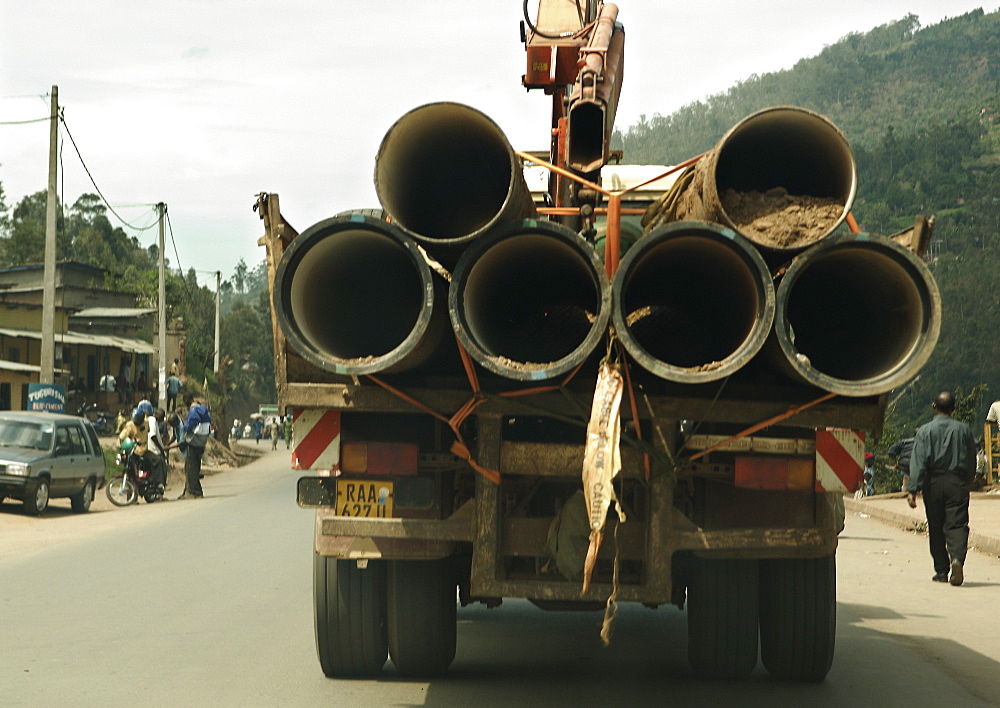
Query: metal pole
{"x": 161, "y": 374}
{"x": 218, "y": 306}
{"x": 46, "y": 373}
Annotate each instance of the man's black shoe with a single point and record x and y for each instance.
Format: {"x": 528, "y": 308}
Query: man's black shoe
{"x": 957, "y": 576}
{"x": 940, "y": 578}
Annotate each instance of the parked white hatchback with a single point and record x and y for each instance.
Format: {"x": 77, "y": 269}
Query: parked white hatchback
{"x": 46, "y": 455}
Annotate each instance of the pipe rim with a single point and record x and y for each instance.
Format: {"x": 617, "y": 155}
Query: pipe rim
{"x": 292, "y": 258}
{"x": 907, "y": 367}
{"x": 430, "y": 241}
{"x": 523, "y": 371}
{"x": 832, "y": 129}
{"x": 752, "y": 343}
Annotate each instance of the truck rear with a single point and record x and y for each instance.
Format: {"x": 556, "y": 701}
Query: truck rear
{"x": 532, "y": 395}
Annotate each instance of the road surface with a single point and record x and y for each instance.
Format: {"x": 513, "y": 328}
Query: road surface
{"x": 208, "y": 603}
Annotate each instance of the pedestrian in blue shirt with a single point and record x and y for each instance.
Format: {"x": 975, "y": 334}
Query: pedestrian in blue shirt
{"x": 197, "y": 428}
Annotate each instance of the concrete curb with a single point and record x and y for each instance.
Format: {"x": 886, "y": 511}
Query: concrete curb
{"x": 981, "y": 542}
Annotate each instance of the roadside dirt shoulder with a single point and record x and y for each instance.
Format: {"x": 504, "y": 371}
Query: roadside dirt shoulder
{"x": 21, "y": 534}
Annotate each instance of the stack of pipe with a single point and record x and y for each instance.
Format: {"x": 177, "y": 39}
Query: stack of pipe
{"x": 694, "y": 300}
{"x": 528, "y": 299}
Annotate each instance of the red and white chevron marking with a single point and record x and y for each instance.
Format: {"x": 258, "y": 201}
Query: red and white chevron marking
{"x": 316, "y": 438}
{"x": 839, "y": 460}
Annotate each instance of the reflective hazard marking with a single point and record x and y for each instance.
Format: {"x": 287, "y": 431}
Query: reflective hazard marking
{"x": 839, "y": 460}
{"x": 316, "y": 433}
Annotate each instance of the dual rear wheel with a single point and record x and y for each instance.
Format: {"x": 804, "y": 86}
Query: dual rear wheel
{"x": 791, "y": 602}
{"x": 402, "y": 609}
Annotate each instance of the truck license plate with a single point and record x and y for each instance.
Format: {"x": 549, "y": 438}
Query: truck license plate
{"x": 365, "y": 499}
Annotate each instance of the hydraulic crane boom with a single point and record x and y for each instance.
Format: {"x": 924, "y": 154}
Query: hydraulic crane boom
{"x": 575, "y": 52}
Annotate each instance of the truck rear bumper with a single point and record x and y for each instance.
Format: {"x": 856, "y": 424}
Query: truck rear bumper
{"x": 492, "y": 540}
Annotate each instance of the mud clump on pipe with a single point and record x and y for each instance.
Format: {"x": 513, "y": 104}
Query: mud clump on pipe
{"x": 784, "y": 177}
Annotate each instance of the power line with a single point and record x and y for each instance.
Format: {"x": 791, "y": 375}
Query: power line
{"x": 99, "y": 192}
{"x": 24, "y": 122}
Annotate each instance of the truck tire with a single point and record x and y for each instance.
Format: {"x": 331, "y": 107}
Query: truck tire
{"x": 798, "y": 617}
{"x": 349, "y": 604}
{"x": 722, "y": 618}
{"x": 422, "y": 616}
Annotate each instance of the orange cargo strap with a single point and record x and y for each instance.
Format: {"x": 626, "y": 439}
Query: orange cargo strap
{"x": 458, "y": 448}
{"x": 793, "y": 410}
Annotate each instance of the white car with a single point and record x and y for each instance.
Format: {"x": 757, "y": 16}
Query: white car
{"x": 45, "y": 455}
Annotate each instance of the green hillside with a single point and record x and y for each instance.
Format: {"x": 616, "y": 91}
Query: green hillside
{"x": 920, "y": 107}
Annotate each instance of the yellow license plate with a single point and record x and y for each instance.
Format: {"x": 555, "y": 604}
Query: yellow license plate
{"x": 366, "y": 499}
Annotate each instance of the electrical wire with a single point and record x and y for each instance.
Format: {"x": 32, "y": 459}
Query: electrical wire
{"x": 98, "y": 189}
{"x": 25, "y": 122}
{"x": 206, "y": 331}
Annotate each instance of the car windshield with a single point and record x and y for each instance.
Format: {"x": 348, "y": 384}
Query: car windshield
{"x": 25, "y": 434}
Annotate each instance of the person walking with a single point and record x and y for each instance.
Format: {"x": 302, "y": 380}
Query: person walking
{"x": 286, "y": 427}
{"x": 258, "y": 429}
{"x": 275, "y": 430}
{"x": 942, "y": 464}
{"x": 173, "y": 388}
{"x": 197, "y": 428}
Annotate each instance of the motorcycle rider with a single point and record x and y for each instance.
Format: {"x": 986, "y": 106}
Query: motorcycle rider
{"x": 142, "y": 429}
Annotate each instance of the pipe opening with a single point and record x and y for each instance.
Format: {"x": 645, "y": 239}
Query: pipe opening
{"x": 444, "y": 171}
{"x": 789, "y": 148}
{"x": 690, "y": 302}
{"x": 530, "y": 300}
{"x": 355, "y": 295}
{"x": 586, "y": 136}
{"x": 856, "y": 314}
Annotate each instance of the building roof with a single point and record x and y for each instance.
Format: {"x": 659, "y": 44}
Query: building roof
{"x": 74, "y": 265}
{"x": 136, "y": 346}
{"x": 25, "y": 368}
{"x": 113, "y": 312}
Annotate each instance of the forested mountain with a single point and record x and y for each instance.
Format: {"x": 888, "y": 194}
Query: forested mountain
{"x": 921, "y": 107}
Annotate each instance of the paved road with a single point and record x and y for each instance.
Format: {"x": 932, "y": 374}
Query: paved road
{"x": 208, "y": 603}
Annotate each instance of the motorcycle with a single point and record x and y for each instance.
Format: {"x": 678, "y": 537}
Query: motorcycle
{"x": 135, "y": 479}
{"x": 103, "y": 423}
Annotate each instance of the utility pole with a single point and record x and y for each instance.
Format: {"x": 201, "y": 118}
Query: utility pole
{"x": 218, "y": 308}
{"x": 46, "y": 373}
{"x": 161, "y": 375}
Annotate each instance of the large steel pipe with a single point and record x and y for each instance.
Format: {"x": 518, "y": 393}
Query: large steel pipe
{"x": 354, "y": 295}
{"x": 857, "y": 315}
{"x": 766, "y": 178}
{"x": 446, "y": 174}
{"x": 693, "y": 302}
{"x": 530, "y": 300}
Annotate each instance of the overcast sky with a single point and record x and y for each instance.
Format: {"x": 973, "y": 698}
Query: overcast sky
{"x": 203, "y": 103}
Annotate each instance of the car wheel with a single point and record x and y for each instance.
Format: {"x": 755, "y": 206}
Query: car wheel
{"x": 80, "y": 502}
{"x": 36, "y": 498}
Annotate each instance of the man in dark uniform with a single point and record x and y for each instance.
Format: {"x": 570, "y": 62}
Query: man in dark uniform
{"x": 941, "y": 466}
